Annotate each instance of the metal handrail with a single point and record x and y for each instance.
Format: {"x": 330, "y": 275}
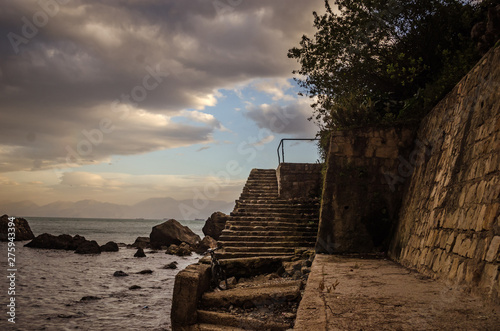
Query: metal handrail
{"x": 282, "y": 145}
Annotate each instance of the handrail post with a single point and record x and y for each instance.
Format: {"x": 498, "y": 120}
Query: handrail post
{"x": 282, "y": 145}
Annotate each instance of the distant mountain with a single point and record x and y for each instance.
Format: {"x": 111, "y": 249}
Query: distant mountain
{"x": 154, "y": 208}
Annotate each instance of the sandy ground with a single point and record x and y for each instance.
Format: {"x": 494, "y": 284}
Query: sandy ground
{"x": 361, "y": 294}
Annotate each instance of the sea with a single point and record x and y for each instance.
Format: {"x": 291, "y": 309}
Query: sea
{"x": 61, "y": 290}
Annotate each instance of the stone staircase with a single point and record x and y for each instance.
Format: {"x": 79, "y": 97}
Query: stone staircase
{"x": 262, "y": 224}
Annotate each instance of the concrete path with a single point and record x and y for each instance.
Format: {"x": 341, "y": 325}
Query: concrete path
{"x": 359, "y": 294}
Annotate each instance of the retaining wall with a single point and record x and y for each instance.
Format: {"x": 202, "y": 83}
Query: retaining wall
{"x": 449, "y": 221}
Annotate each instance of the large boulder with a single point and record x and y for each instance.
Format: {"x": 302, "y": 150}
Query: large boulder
{"x": 110, "y": 246}
{"x": 172, "y": 232}
{"x": 215, "y": 224}
{"x": 141, "y": 242}
{"x": 63, "y": 241}
{"x": 88, "y": 247}
{"x": 22, "y": 229}
{"x": 205, "y": 244}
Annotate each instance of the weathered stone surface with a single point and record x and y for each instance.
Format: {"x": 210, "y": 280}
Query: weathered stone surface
{"x": 451, "y": 207}
{"x": 171, "y": 265}
{"x": 189, "y": 286}
{"x": 299, "y": 180}
{"x": 141, "y": 242}
{"x": 215, "y": 224}
{"x": 246, "y": 267}
{"x": 181, "y": 250}
{"x": 253, "y": 296}
{"x": 88, "y": 247}
{"x": 172, "y": 232}
{"x": 205, "y": 244}
{"x": 362, "y": 195}
{"x": 120, "y": 273}
{"x": 140, "y": 253}
{"x": 63, "y": 241}
{"x": 110, "y": 246}
{"x": 22, "y": 229}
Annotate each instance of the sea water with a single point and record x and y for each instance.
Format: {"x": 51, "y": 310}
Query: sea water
{"x": 50, "y": 284}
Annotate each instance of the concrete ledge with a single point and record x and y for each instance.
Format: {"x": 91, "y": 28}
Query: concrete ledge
{"x": 189, "y": 286}
{"x": 345, "y": 293}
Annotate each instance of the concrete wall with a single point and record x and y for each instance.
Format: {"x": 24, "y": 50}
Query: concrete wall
{"x": 299, "y": 180}
{"x": 361, "y": 197}
{"x": 449, "y": 221}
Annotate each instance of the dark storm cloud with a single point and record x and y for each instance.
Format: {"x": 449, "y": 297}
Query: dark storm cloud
{"x": 64, "y": 64}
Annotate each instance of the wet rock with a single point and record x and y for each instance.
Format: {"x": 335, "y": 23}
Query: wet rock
{"x": 63, "y": 241}
{"x": 141, "y": 242}
{"x": 171, "y": 265}
{"x": 88, "y": 247}
{"x": 205, "y": 244}
{"x": 140, "y": 253}
{"x": 89, "y": 298}
{"x": 134, "y": 287}
{"x": 110, "y": 246}
{"x": 145, "y": 272}
{"x": 22, "y": 229}
{"x": 172, "y": 232}
{"x": 215, "y": 224}
{"x": 120, "y": 273}
{"x": 181, "y": 250}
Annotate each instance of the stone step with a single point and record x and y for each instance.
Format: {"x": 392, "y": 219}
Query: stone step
{"x": 258, "y": 195}
{"x": 267, "y": 228}
{"x": 229, "y": 321}
{"x": 273, "y": 250}
{"x": 308, "y": 224}
{"x": 258, "y": 244}
{"x": 246, "y": 238}
{"x": 228, "y": 256}
{"x": 272, "y": 233}
{"x": 276, "y": 201}
{"x": 287, "y": 210}
{"x": 257, "y": 214}
{"x": 254, "y": 296}
{"x": 312, "y": 221}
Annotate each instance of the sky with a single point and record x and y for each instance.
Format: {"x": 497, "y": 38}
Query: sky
{"x": 124, "y": 100}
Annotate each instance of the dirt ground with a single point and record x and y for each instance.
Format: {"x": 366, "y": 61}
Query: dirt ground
{"x": 369, "y": 294}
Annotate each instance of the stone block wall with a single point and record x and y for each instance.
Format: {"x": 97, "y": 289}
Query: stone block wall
{"x": 449, "y": 221}
{"x": 299, "y": 180}
{"x": 361, "y": 198}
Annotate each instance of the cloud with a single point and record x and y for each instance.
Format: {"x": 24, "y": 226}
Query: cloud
{"x": 139, "y": 64}
{"x": 289, "y": 119}
{"x": 276, "y": 87}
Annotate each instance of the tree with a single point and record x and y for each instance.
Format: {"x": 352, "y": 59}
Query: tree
{"x": 374, "y": 61}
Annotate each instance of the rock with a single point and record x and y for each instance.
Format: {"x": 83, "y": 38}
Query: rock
{"x": 171, "y": 265}
{"x": 89, "y": 298}
{"x": 141, "y": 242}
{"x": 172, "y": 232}
{"x": 215, "y": 224}
{"x": 110, "y": 246}
{"x": 88, "y": 247}
{"x": 182, "y": 250}
{"x": 250, "y": 266}
{"x": 231, "y": 281}
{"x": 120, "y": 273}
{"x": 291, "y": 267}
{"x": 205, "y": 244}
{"x": 63, "y": 241}
{"x": 305, "y": 270}
{"x": 140, "y": 253}
{"x": 145, "y": 272}
{"x": 22, "y": 229}
{"x": 297, "y": 275}
{"x": 134, "y": 287}
{"x": 172, "y": 249}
